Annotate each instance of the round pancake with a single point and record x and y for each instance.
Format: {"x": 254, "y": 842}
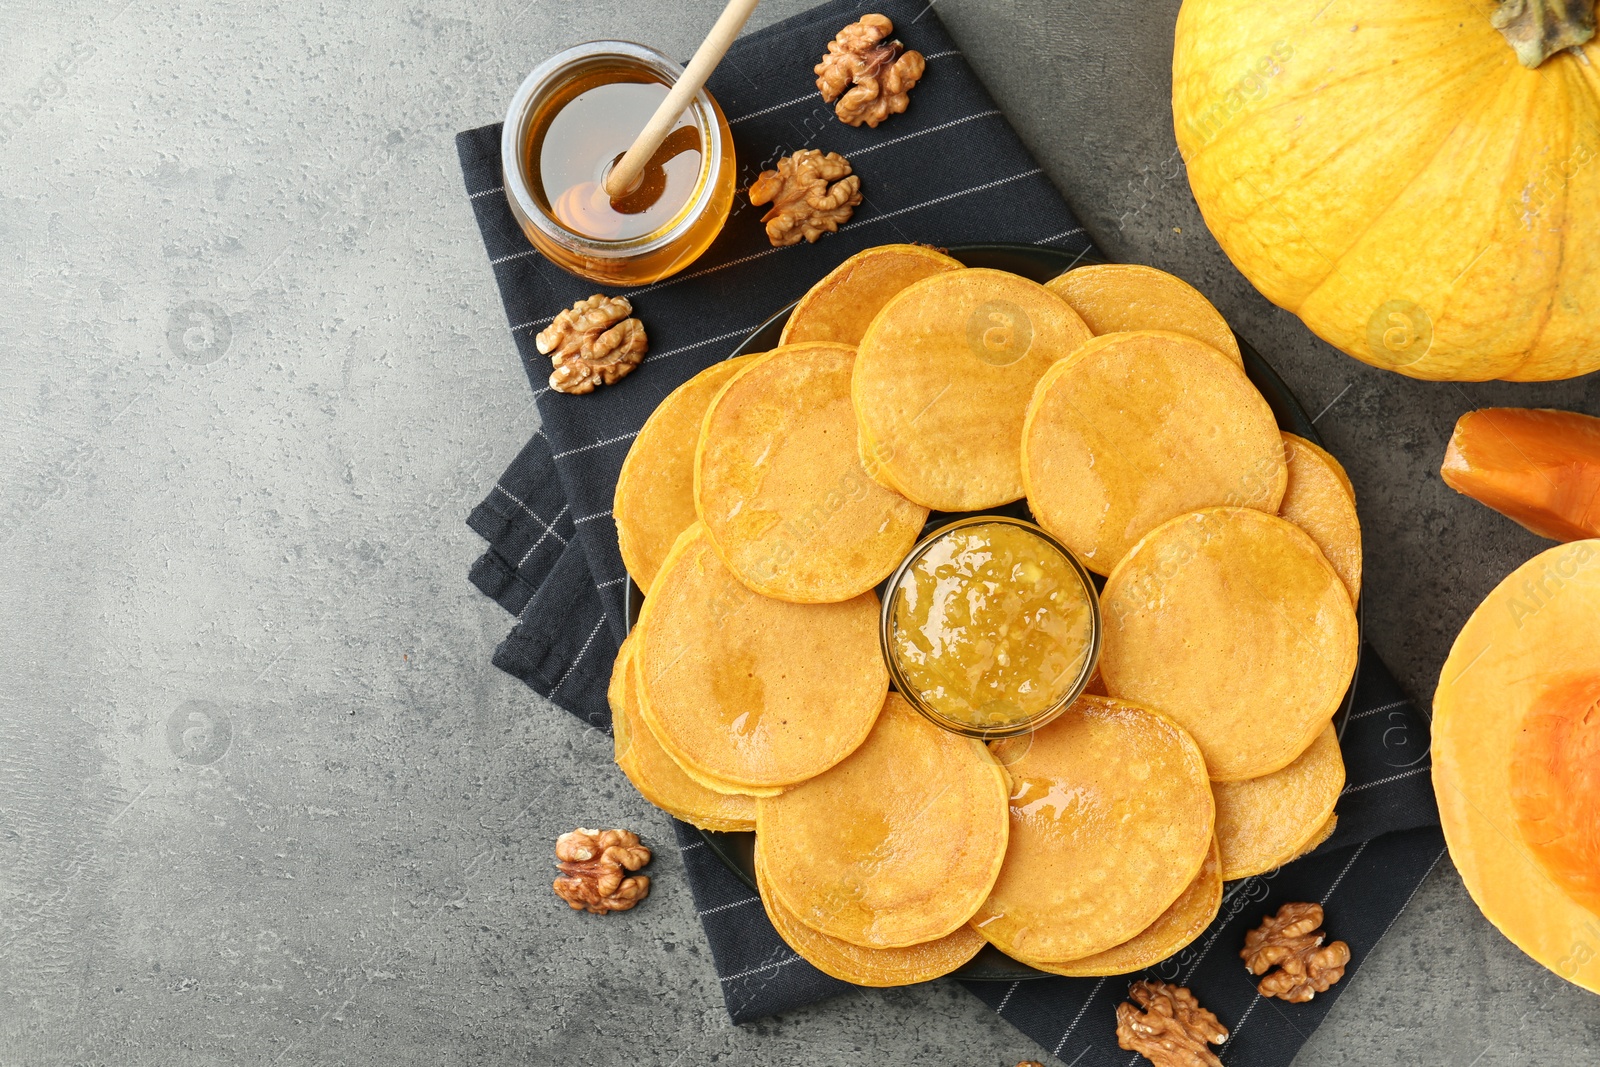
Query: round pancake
{"x": 654, "y": 773}
{"x": 1118, "y": 297}
{"x": 1265, "y": 822}
{"x": 754, "y": 692}
{"x": 1319, "y": 499}
{"x": 689, "y": 770}
{"x": 842, "y": 305}
{"x": 780, "y": 485}
{"x": 867, "y": 966}
{"x": 1179, "y": 925}
{"x": 895, "y": 846}
{"x": 654, "y": 501}
{"x": 1140, "y": 427}
{"x": 1317, "y": 839}
{"x": 1111, "y": 818}
{"x": 872, "y": 459}
{"x": 1232, "y": 622}
{"x": 942, "y": 381}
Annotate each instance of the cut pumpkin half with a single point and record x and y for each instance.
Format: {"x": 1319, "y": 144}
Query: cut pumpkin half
{"x": 1516, "y": 743}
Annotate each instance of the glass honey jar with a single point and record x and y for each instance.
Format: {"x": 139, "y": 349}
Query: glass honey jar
{"x": 570, "y": 122}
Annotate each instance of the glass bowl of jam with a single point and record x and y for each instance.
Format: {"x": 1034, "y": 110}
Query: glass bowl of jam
{"x": 570, "y": 122}
{"x": 990, "y": 627}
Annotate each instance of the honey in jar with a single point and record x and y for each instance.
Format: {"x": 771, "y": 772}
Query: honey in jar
{"x": 991, "y": 627}
{"x": 571, "y": 122}
{"x": 590, "y": 133}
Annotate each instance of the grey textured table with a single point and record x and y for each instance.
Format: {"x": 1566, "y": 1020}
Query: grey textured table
{"x": 262, "y": 798}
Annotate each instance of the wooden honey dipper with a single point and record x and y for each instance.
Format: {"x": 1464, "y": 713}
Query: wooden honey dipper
{"x": 627, "y": 184}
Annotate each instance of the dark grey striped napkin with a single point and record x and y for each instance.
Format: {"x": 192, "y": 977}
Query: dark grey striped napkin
{"x": 949, "y": 171}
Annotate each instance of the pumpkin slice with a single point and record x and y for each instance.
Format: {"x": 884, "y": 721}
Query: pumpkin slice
{"x": 751, "y": 691}
{"x": 654, "y": 500}
{"x": 1179, "y": 925}
{"x": 781, "y": 488}
{"x": 1321, "y": 501}
{"x": 842, "y": 305}
{"x": 1137, "y": 428}
{"x": 1234, "y": 623}
{"x": 657, "y": 777}
{"x": 897, "y": 845}
{"x": 878, "y": 967}
{"x": 1111, "y": 820}
{"x": 942, "y": 381}
{"x": 1120, "y": 297}
{"x": 1516, "y": 758}
{"x": 1539, "y": 468}
{"x": 1263, "y": 823}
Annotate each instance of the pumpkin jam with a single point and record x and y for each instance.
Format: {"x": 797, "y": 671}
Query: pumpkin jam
{"x": 991, "y": 625}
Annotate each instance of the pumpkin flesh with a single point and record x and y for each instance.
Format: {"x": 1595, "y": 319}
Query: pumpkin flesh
{"x": 1555, "y": 784}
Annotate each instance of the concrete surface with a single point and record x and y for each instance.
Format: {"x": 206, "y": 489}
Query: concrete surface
{"x": 262, "y": 798}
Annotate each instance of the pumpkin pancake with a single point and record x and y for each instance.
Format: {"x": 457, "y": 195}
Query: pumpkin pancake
{"x": 647, "y": 765}
{"x": 691, "y": 772}
{"x": 1317, "y": 839}
{"x": 897, "y": 845}
{"x": 1118, "y": 297}
{"x": 1180, "y": 924}
{"x": 1111, "y": 820}
{"x": 654, "y": 501}
{"x": 942, "y": 381}
{"x": 754, "y": 692}
{"x": 1320, "y": 500}
{"x": 780, "y": 485}
{"x": 1138, "y": 428}
{"x": 1265, "y": 822}
{"x": 841, "y": 306}
{"x": 867, "y": 966}
{"x": 1233, "y": 622}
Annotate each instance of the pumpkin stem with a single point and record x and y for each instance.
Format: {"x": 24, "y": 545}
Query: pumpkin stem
{"x": 1538, "y": 29}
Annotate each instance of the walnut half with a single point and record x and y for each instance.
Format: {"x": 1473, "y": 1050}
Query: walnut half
{"x": 874, "y": 75}
{"x": 1291, "y": 942}
{"x": 594, "y": 342}
{"x": 811, "y": 194}
{"x": 595, "y": 868}
{"x": 1173, "y": 1030}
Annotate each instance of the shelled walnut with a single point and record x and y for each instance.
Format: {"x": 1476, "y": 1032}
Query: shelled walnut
{"x": 1291, "y": 942}
{"x": 875, "y": 76}
{"x": 594, "y": 342}
{"x": 595, "y": 868}
{"x": 1173, "y": 1030}
{"x": 811, "y": 194}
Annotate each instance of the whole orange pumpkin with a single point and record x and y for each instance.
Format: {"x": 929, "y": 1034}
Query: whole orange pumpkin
{"x": 1418, "y": 181}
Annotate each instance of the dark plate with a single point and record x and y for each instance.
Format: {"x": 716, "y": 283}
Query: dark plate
{"x": 737, "y": 851}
